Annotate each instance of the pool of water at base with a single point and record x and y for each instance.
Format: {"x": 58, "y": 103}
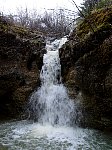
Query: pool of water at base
{"x": 26, "y": 135}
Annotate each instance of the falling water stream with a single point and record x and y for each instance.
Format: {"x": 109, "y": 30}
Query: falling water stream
{"x": 50, "y": 103}
{"x": 51, "y": 114}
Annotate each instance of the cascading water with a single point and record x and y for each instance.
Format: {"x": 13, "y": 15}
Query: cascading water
{"x": 50, "y": 103}
{"x": 53, "y": 110}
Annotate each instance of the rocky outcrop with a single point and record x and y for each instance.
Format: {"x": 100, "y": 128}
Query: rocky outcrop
{"x": 20, "y": 50}
{"x": 87, "y": 59}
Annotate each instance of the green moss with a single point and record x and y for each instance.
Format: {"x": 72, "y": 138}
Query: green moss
{"x": 20, "y": 31}
{"x": 3, "y": 27}
{"x": 101, "y": 18}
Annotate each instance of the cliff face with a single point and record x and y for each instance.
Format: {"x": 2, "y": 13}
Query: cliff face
{"x": 86, "y": 61}
{"x": 20, "y": 50}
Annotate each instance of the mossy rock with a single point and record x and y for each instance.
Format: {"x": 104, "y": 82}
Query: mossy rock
{"x": 90, "y": 54}
{"x": 100, "y": 19}
{"x": 20, "y": 31}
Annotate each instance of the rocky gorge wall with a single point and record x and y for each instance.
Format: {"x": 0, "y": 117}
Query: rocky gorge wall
{"x": 20, "y": 50}
{"x": 86, "y": 61}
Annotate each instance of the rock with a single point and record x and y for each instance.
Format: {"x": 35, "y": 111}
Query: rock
{"x": 17, "y": 82}
{"x": 70, "y": 83}
{"x": 86, "y": 61}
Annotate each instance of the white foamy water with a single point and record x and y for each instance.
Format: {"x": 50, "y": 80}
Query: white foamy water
{"x": 26, "y": 135}
{"x": 50, "y": 103}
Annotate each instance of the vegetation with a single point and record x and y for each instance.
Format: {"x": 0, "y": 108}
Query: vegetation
{"x": 52, "y": 22}
{"x": 91, "y": 5}
{"x": 99, "y": 20}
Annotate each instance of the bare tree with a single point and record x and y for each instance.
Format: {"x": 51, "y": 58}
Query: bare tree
{"x": 23, "y": 16}
{"x": 53, "y": 22}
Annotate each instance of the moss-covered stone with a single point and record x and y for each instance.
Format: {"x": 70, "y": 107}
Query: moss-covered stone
{"x": 101, "y": 19}
{"x": 88, "y": 53}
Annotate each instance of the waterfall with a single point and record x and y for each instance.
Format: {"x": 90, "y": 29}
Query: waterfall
{"x": 50, "y": 103}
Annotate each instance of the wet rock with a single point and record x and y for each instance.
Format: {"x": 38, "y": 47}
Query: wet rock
{"x": 17, "y": 45}
{"x": 89, "y": 55}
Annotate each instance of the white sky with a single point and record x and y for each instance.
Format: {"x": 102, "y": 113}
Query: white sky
{"x": 12, "y": 5}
